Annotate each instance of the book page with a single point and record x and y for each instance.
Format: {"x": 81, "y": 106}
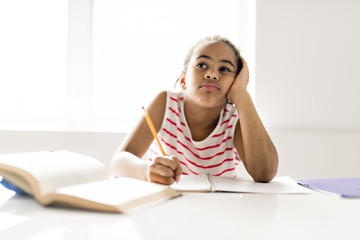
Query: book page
{"x": 116, "y": 191}
{"x": 192, "y": 183}
{"x": 57, "y": 169}
{"x": 246, "y": 185}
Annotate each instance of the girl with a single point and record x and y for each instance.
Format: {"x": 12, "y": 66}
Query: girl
{"x": 207, "y": 128}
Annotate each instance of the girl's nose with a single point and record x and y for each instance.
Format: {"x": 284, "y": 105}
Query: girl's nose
{"x": 211, "y": 76}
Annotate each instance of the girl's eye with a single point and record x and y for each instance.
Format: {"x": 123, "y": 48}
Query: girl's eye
{"x": 201, "y": 65}
{"x": 225, "y": 69}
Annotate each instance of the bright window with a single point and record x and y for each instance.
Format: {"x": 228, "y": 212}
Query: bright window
{"x": 139, "y": 48}
{"x": 94, "y": 63}
{"x": 33, "y": 52}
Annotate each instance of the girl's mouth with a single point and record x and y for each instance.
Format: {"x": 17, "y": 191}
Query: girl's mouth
{"x": 210, "y": 86}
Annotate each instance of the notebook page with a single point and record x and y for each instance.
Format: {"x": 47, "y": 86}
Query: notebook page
{"x": 245, "y": 185}
{"x": 192, "y": 183}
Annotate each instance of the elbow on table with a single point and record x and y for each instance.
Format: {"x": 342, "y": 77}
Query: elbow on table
{"x": 263, "y": 178}
{"x": 264, "y": 174}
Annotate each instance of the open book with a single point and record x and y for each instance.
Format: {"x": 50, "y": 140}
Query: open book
{"x": 208, "y": 183}
{"x": 76, "y": 180}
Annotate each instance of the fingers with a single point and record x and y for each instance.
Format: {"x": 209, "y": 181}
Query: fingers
{"x": 244, "y": 74}
{"x": 169, "y": 161}
{"x": 245, "y": 66}
{"x": 178, "y": 171}
{"x": 164, "y": 170}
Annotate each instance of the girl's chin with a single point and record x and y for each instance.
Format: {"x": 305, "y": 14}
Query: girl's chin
{"x": 212, "y": 102}
{"x": 207, "y": 99}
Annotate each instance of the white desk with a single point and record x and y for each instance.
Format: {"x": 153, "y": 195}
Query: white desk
{"x": 191, "y": 216}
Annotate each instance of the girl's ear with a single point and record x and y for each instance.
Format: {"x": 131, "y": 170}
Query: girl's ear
{"x": 182, "y": 81}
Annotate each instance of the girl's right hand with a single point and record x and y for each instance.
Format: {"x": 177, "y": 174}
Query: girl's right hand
{"x": 164, "y": 170}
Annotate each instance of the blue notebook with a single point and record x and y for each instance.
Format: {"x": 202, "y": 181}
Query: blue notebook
{"x": 342, "y": 187}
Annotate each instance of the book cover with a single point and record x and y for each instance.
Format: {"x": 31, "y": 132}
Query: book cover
{"x": 342, "y": 187}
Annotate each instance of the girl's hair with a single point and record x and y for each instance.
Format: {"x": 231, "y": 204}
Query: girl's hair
{"x": 214, "y": 39}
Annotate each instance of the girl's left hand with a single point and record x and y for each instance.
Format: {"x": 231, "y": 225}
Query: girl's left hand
{"x": 241, "y": 81}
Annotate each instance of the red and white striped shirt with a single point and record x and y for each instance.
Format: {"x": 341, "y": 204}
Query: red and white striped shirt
{"x": 215, "y": 155}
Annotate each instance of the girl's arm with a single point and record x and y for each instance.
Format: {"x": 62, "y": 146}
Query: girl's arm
{"x": 127, "y": 161}
{"x": 252, "y": 141}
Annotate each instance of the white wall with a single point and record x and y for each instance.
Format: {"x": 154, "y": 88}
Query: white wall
{"x": 307, "y": 63}
{"x": 308, "y": 83}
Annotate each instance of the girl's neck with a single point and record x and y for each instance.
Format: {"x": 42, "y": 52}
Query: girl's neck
{"x": 201, "y": 120}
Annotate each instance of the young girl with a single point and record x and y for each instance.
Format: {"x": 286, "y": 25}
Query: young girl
{"x": 209, "y": 127}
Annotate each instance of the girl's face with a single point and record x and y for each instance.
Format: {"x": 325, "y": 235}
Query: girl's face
{"x": 210, "y": 74}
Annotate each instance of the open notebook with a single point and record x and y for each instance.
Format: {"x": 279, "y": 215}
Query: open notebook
{"x": 208, "y": 183}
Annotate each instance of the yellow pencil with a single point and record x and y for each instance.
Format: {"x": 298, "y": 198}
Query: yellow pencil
{"x": 152, "y": 128}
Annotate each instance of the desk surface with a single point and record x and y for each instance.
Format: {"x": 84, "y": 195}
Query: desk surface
{"x": 191, "y": 216}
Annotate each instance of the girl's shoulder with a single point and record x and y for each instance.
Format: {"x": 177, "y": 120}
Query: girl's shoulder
{"x": 160, "y": 98}
{"x": 157, "y": 105}
{"x": 175, "y": 95}
{"x": 163, "y": 96}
